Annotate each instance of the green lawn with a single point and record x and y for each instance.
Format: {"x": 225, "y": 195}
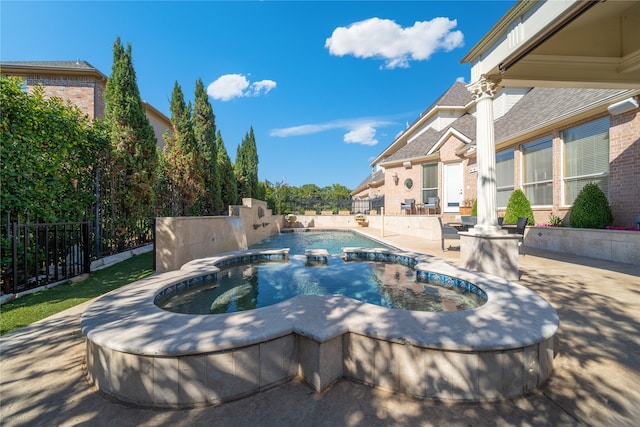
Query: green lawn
{"x": 33, "y": 307}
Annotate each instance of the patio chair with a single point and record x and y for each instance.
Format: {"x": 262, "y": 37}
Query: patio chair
{"x": 432, "y": 203}
{"x": 409, "y": 204}
{"x": 447, "y": 232}
{"x": 520, "y": 226}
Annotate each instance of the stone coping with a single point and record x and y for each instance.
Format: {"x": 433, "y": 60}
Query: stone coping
{"x": 127, "y": 320}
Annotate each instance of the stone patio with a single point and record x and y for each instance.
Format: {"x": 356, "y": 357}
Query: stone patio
{"x": 596, "y": 378}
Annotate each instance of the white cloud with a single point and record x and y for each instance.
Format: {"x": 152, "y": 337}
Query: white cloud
{"x": 460, "y": 80}
{"x": 364, "y": 135}
{"x": 359, "y": 131}
{"x": 232, "y": 86}
{"x": 384, "y": 38}
{"x": 263, "y": 86}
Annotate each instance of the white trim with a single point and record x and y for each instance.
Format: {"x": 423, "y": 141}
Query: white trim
{"x": 450, "y": 132}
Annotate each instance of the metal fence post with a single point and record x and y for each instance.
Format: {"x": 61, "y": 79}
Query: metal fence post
{"x": 14, "y": 250}
{"x": 85, "y": 247}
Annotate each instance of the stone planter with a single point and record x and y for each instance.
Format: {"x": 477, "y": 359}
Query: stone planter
{"x": 611, "y": 245}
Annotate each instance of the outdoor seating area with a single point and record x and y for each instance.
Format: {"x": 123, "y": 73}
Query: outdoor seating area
{"x": 410, "y": 207}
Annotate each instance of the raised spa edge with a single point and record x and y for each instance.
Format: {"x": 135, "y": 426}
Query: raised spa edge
{"x": 142, "y": 354}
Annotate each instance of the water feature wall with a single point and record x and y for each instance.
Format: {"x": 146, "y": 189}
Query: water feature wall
{"x": 421, "y": 226}
{"x": 183, "y": 239}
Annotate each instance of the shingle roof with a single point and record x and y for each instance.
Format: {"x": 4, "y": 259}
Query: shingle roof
{"x": 420, "y": 146}
{"x": 374, "y": 177}
{"x": 51, "y": 64}
{"x": 65, "y": 66}
{"x": 545, "y": 104}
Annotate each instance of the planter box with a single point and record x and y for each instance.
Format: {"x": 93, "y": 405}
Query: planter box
{"x": 610, "y": 245}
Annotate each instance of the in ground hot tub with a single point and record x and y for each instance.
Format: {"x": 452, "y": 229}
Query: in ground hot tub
{"x": 142, "y": 354}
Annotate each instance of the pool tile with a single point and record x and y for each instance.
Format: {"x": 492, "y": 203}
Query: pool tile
{"x": 246, "y": 368}
{"x": 165, "y": 380}
{"x": 220, "y": 377}
{"x": 193, "y": 380}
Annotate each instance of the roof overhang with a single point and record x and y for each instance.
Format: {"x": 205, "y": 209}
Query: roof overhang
{"x": 413, "y": 160}
{"x": 413, "y": 130}
{"x": 451, "y": 132}
{"x": 25, "y": 69}
{"x": 575, "y": 43}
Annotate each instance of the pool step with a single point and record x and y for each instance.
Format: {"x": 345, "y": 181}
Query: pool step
{"x": 317, "y": 256}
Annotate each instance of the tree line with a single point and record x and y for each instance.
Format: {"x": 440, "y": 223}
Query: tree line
{"x": 56, "y": 162}
{"x": 58, "y": 165}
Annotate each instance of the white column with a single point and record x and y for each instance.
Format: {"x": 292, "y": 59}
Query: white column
{"x": 483, "y": 91}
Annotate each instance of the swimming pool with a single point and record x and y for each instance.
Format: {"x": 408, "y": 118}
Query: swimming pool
{"x": 332, "y": 240}
{"x": 139, "y": 353}
{"x": 260, "y": 284}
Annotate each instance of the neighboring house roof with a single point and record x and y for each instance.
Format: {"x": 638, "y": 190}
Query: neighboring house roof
{"x": 375, "y": 178}
{"x": 55, "y": 67}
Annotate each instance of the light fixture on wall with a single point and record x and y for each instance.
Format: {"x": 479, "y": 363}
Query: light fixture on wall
{"x": 623, "y": 106}
{"x": 396, "y": 178}
{"x": 406, "y": 165}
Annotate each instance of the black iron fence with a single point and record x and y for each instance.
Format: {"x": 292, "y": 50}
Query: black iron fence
{"x": 317, "y": 205}
{"x": 366, "y": 206}
{"x": 34, "y": 255}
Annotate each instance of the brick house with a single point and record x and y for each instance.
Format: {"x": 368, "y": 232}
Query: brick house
{"x": 79, "y": 83}
{"x": 549, "y": 143}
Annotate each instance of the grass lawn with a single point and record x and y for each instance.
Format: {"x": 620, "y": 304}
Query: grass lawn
{"x": 33, "y": 307}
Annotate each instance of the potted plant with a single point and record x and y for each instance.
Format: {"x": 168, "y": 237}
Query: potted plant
{"x": 291, "y": 219}
{"x": 361, "y": 220}
{"x": 467, "y": 204}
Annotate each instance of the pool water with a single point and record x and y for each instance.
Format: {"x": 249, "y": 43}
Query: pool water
{"x": 260, "y": 284}
{"x": 332, "y": 241}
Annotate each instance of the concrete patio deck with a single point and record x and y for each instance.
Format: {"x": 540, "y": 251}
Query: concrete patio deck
{"x": 596, "y": 378}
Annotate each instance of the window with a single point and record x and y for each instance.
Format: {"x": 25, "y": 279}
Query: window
{"x": 429, "y": 181}
{"x": 504, "y": 176}
{"x": 538, "y": 172}
{"x": 586, "y": 158}
{"x": 408, "y": 183}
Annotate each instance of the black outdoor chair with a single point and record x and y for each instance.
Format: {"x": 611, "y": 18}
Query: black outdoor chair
{"x": 447, "y": 232}
{"x": 520, "y": 226}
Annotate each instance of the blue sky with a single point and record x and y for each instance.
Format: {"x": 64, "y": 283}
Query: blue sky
{"x": 325, "y": 85}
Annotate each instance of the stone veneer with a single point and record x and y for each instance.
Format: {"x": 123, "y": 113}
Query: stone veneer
{"x": 139, "y": 353}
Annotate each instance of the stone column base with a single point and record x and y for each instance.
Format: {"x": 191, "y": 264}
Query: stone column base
{"x": 493, "y": 254}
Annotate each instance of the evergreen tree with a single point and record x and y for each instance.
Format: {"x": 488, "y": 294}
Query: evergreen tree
{"x": 518, "y": 206}
{"x": 182, "y": 158}
{"x": 246, "y": 167}
{"x": 228, "y": 184}
{"x": 204, "y": 128}
{"x": 133, "y": 144}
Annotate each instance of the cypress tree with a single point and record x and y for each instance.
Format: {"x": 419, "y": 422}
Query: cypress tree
{"x": 182, "y": 157}
{"x": 204, "y": 128}
{"x": 246, "y": 167}
{"x": 228, "y": 183}
{"x": 133, "y": 144}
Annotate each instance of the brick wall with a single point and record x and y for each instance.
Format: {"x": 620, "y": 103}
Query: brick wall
{"x": 624, "y": 172}
{"x": 85, "y": 92}
{"x": 395, "y": 194}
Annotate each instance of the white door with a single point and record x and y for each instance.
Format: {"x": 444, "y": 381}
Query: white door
{"x": 452, "y": 191}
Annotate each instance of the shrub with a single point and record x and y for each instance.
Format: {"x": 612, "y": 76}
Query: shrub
{"x": 518, "y": 206}
{"x": 591, "y": 208}
{"x": 474, "y": 208}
